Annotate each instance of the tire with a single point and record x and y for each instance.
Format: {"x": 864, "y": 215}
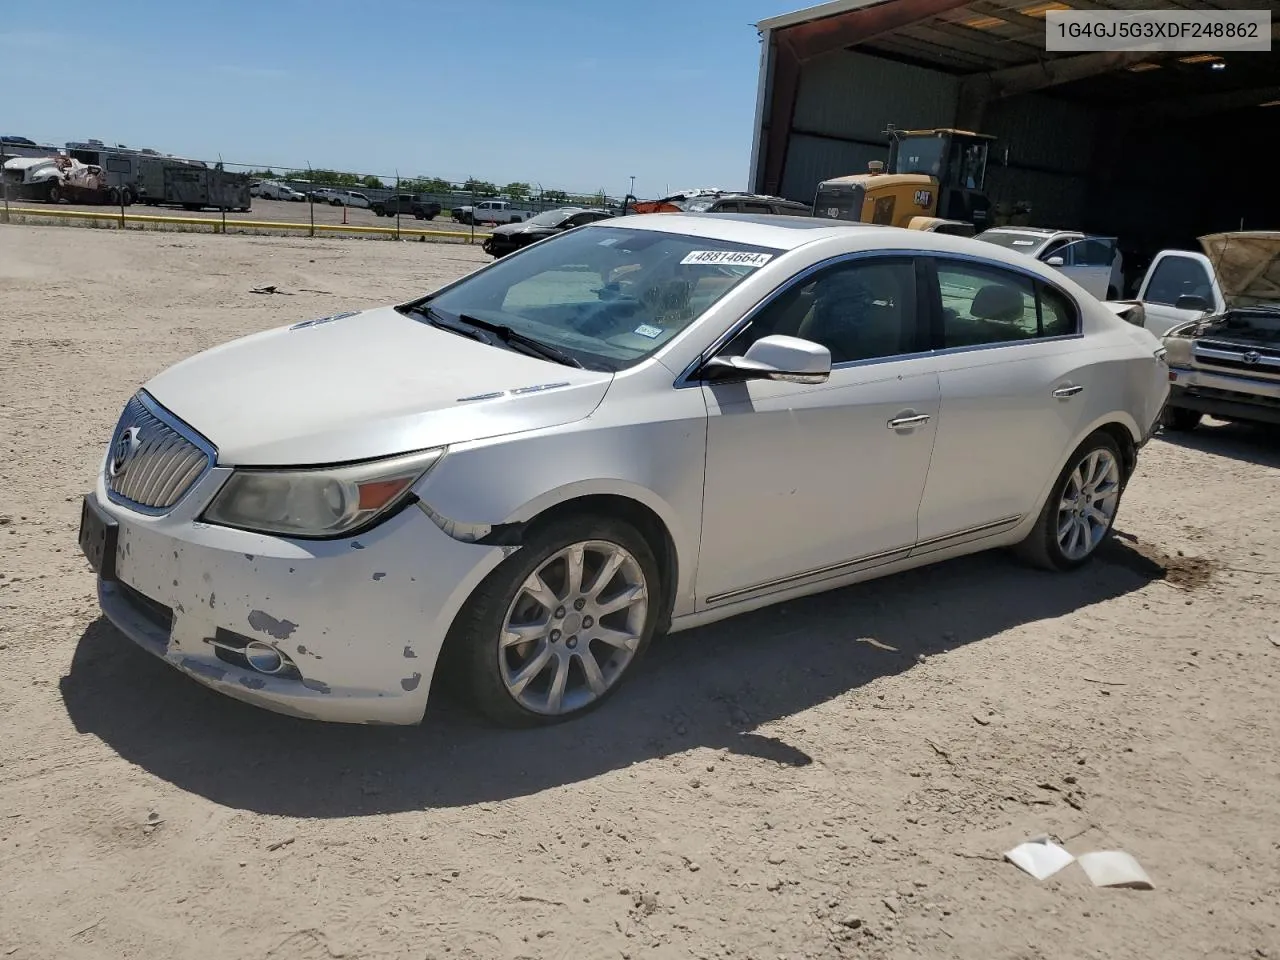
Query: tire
{"x": 1180, "y": 419}
{"x": 113, "y": 196}
{"x": 486, "y": 666}
{"x": 55, "y": 193}
{"x": 1043, "y": 547}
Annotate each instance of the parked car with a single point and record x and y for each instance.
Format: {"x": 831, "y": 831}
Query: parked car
{"x": 323, "y": 195}
{"x": 1226, "y": 362}
{"x": 644, "y": 424}
{"x": 349, "y": 198}
{"x": 492, "y": 211}
{"x": 402, "y": 203}
{"x": 713, "y": 200}
{"x": 1093, "y": 262}
{"x": 274, "y": 190}
{"x": 747, "y": 203}
{"x": 514, "y": 236}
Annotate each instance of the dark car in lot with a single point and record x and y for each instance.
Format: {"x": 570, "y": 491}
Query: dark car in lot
{"x": 513, "y": 236}
{"x": 406, "y": 203}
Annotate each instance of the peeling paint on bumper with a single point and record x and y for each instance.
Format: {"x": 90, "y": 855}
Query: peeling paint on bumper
{"x": 363, "y": 626}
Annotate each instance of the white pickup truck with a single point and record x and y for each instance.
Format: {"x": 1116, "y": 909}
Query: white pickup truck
{"x": 492, "y": 211}
{"x": 1180, "y": 285}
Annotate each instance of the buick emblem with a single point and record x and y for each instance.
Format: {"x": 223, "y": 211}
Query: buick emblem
{"x": 1253, "y": 356}
{"x": 125, "y": 447}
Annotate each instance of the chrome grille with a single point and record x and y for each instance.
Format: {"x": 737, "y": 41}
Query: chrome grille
{"x": 153, "y": 461}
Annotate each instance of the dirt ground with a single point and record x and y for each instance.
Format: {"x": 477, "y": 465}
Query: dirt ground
{"x": 832, "y": 778}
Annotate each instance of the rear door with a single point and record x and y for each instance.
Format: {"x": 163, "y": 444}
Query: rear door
{"x": 1014, "y": 375}
{"x": 1174, "y": 274}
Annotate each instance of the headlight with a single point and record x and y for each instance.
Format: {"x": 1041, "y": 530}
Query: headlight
{"x": 324, "y": 502}
{"x": 1178, "y": 351}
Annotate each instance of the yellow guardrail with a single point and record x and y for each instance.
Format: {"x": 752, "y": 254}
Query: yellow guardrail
{"x": 217, "y": 223}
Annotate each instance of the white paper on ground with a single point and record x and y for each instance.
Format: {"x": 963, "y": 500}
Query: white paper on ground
{"x": 1115, "y": 868}
{"x": 1040, "y": 858}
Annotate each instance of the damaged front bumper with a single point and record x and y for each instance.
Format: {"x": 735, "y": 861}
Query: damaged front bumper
{"x": 1225, "y": 396}
{"x": 359, "y": 623}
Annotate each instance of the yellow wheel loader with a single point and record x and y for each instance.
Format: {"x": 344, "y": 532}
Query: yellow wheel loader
{"x": 933, "y": 176}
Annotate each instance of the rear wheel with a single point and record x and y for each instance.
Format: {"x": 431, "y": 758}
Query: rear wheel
{"x": 1081, "y": 509}
{"x": 553, "y": 631}
{"x": 1180, "y": 419}
{"x": 55, "y": 193}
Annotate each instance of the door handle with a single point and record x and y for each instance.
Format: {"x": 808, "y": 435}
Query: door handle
{"x": 1064, "y": 393}
{"x": 901, "y": 423}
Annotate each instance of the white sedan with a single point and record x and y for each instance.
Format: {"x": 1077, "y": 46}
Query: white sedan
{"x": 638, "y": 426}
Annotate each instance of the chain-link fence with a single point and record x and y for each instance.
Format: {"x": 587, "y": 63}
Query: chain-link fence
{"x": 290, "y": 196}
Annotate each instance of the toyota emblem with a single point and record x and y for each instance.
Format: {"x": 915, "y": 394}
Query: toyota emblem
{"x": 125, "y": 447}
{"x": 1253, "y": 356}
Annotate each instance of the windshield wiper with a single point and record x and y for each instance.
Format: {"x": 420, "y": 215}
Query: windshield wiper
{"x": 436, "y": 319}
{"x": 528, "y": 344}
{"x": 491, "y": 333}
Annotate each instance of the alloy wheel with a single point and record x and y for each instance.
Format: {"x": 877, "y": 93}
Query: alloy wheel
{"x": 1088, "y": 504}
{"x": 573, "y": 627}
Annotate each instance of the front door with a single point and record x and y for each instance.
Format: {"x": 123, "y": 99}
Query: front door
{"x": 1089, "y": 263}
{"x": 1173, "y": 275}
{"x": 1015, "y": 379}
{"x": 808, "y": 482}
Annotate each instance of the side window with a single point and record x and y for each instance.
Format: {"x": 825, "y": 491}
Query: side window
{"x": 982, "y": 304}
{"x": 1178, "y": 277}
{"x": 748, "y": 207}
{"x": 859, "y": 310}
{"x": 1058, "y": 316}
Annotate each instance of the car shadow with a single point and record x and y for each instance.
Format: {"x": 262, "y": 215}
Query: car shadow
{"x": 1248, "y": 442}
{"x": 710, "y": 687}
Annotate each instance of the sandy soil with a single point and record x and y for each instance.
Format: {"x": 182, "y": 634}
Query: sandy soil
{"x": 275, "y": 211}
{"x": 834, "y": 778}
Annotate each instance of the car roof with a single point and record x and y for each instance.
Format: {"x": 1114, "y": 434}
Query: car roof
{"x": 1035, "y": 231}
{"x": 762, "y": 229}
{"x": 782, "y": 232}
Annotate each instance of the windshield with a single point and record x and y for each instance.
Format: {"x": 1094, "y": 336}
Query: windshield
{"x": 551, "y": 218}
{"x": 920, "y": 155}
{"x": 607, "y": 296}
{"x": 1022, "y": 242}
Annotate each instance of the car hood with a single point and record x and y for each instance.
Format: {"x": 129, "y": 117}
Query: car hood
{"x": 368, "y": 384}
{"x": 1247, "y": 264}
{"x": 509, "y": 228}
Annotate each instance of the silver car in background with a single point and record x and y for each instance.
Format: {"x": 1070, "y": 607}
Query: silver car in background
{"x": 638, "y": 426}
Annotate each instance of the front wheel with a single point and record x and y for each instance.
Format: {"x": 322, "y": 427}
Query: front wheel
{"x": 552, "y": 632}
{"x": 1180, "y": 419}
{"x": 1081, "y": 509}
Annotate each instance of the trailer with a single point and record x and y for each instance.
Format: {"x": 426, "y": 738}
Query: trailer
{"x": 191, "y": 184}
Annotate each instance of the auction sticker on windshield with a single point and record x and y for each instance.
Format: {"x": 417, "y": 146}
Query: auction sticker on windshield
{"x": 727, "y": 257}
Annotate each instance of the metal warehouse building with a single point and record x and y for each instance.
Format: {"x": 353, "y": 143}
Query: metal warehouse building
{"x": 1153, "y": 148}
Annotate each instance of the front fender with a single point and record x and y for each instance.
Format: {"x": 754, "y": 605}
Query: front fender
{"x": 658, "y": 463}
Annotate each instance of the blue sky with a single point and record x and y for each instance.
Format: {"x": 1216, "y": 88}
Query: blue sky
{"x": 576, "y": 94}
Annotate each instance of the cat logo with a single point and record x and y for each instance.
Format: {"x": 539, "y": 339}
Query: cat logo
{"x": 923, "y": 198}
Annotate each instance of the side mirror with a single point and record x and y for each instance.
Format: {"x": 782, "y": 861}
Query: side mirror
{"x": 1191, "y": 302}
{"x": 1055, "y": 261}
{"x": 788, "y": 359}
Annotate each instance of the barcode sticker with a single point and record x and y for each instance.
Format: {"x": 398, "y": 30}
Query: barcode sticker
{"x": 736, "y": 258}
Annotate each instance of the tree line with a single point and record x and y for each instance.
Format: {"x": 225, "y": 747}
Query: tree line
{"x": 516, "y": 190}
